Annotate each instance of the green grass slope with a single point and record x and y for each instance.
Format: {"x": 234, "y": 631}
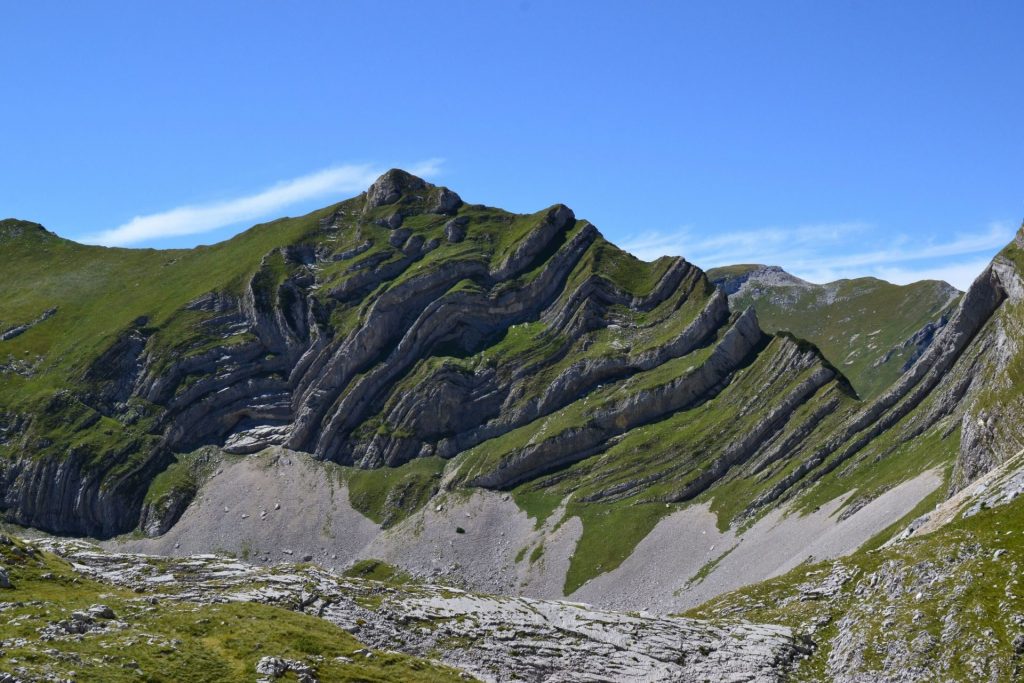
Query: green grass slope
{"x": 863, "y": 326}
{"x": 99, "y": 292}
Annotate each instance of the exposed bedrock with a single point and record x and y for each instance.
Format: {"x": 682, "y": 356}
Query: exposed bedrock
{"x": 744, "y": 448}
{"x": 76, "y": 496}
{"x": 643, "y": 406}
{"x": 462, "y": 318}
{"x": 456, "y": 408}
{"x": 18, "y": 330}
{"x": 402, "y": 320}
{"x": 314, "y": 396}
{"x": 495, "y": 638}
{"x": 990, "y": 429}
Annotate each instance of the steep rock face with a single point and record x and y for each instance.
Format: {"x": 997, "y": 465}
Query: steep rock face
{"x": 783, "y": 431}
{"x": 526, "y": 400}
{"x": 465, "y": 318}
{"x": 991, "y": 424}
{"x": 75, "y": 494}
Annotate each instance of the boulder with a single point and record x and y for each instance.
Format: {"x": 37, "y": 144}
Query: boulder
{"x": 444, "y": 201}
{"x": 399, "y": 237}
{"x": 391, "y": 222}
{"x": 455, "y": 230}
{"x": 101, "y": 612}
{"x": 272, "y": 666}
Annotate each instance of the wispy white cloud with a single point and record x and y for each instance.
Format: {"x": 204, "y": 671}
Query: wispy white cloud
{"x": 748, "y": 246}
{"x": 831, "y": 251}
{"x": 200, "y": 218}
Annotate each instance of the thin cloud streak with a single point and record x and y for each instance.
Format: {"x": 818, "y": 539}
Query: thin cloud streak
{"x": 197, "y": 219}
{"x": 829, "y": 251}
{"x": 749, "y": 246}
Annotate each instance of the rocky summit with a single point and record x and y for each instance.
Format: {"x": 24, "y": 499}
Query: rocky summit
{"x": 445, "y": 440}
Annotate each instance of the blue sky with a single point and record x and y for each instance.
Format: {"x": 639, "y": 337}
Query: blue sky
{"x": 836, "y": 139}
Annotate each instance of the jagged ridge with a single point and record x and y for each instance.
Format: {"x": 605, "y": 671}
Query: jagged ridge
{"x": 398, "y": 324}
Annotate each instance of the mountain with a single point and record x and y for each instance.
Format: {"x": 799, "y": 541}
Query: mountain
{"x": 871, "y": 329}
{"x": 505, "y": 402}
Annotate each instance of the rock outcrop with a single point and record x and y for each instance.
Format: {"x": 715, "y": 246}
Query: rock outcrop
{"x": 13, "y": 332}
{"x": 492, "y": 638}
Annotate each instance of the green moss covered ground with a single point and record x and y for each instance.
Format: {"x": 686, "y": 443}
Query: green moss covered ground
{"x": 860, "y": 325}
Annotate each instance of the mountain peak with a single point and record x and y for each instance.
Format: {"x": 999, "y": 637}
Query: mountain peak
{"x": 733, "y": 278}
{"x": 14, "y": 228}
{"x": 389, "y": 187}
{"x": 398, "y": 186}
